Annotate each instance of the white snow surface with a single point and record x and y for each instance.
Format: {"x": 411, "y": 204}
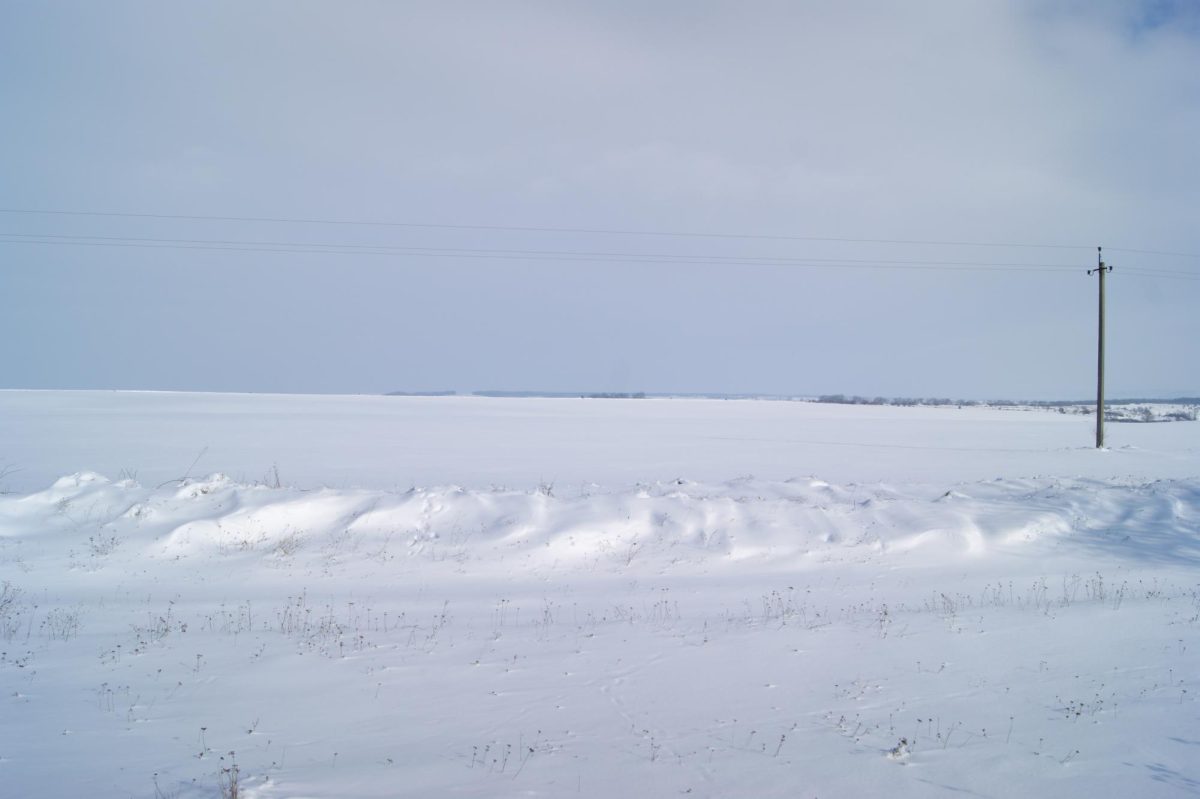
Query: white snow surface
{"x": 479, "y": 442}
{"x": 519, "y": 597}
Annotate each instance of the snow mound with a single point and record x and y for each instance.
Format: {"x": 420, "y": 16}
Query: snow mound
{"x": 673, "y": 523}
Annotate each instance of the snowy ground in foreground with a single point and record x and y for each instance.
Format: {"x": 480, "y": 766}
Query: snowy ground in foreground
{"x": 559, "y": 597}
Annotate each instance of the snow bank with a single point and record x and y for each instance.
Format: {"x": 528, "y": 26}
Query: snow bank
{"x": 675, "y": 525}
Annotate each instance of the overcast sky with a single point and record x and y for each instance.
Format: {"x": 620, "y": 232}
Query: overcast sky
{"x": 808, "y": 128}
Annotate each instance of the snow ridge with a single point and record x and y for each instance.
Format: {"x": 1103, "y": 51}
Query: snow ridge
{"x": 675, "y": 524}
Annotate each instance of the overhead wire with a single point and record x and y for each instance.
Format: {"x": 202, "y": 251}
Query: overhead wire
{"x": 1155, "y": 252}
{"x": 537, "y": 229}
{"x": 569, "y": 255}
{"x": 1162, "y": 274}
{"x": 337, "y": 246}
{"x": 326, "y": 248}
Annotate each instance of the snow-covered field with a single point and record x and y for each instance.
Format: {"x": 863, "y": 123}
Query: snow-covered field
{"x": 400, "y": 596}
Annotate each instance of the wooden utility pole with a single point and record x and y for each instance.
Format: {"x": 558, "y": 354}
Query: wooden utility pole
{"x": 1102, "y": 270}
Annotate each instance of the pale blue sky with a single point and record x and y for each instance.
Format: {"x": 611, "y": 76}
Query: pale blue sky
{"x": 1002, "y": 122}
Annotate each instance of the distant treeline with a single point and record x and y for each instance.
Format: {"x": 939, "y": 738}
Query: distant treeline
{"x": 564, "y": 394}
{"x": 842, "y": 399}
{"x": 836, "y": 399}
{"x": 421, "y": 394}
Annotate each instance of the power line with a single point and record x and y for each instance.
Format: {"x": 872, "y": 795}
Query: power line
{"x": 519, "y": 255}
{"x": 635, "y": 257}
{"x": 1160, "y": 274}
{"x": 1160, "y": 271}
{"x": 536, "y": 229}
{"x": 1157, "y": 252}
{"x": 570, "y": 230}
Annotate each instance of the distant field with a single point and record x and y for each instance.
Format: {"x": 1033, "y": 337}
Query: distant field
{"x": 389, "y": 442}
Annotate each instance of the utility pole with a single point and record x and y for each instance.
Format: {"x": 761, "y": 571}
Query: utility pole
{"x": 1102, "y": 270}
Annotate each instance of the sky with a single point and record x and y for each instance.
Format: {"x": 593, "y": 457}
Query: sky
{"x": 780, "y": 198}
